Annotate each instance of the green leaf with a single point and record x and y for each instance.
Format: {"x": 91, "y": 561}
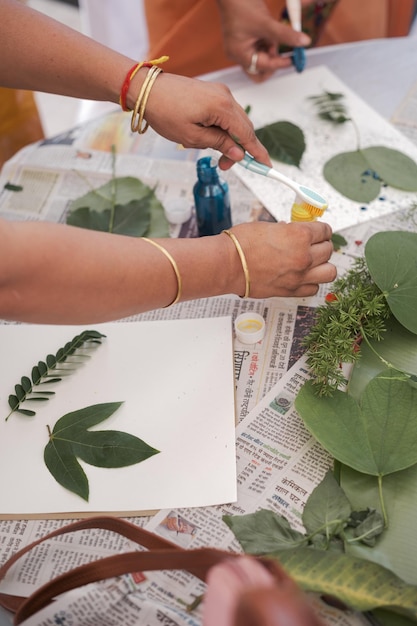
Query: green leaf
{"x": 377, "y": 436}
{"x": 338, "y": 241}
{"x": 284, "y": 141}
{"x": 397, "y": 347}
{"x": 263, "y": 532}
{"x": 71, "y": 439}
{"x": 358, "y": 583}
{"x": 41, "y": 373}
{"x": 396, "y": 548}
{"x": 11, "y": 187}
{"x": 137, "y": 211}
{"x": 327, "y": 508}
{"x": 392, "y": 262}
{"x": 64, "y": 467}
{"x": 395, "y": 168}
{"x": 349, "y": 173}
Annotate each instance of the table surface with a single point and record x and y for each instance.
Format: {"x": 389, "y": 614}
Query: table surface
{"x": 380, "y": 71}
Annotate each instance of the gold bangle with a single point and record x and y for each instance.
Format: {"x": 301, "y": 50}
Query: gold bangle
{"x": 242, "y": 260}
{"x": 174, "y": 267}
{"x": 142, "y": 99}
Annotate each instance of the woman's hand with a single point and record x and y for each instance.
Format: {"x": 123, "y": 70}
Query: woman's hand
{"x": 199, "y": 114}
{"x": 283, "y": 259}
{"x": 249, "y": 29}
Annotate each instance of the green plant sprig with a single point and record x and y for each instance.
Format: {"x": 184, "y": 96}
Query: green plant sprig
{"x": 49, "y": 372}
{"x": 331, "y": 108}
{"x": 355, "y": 310}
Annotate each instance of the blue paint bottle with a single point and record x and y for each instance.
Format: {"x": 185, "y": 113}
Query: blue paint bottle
{"x": 211, "y": 197}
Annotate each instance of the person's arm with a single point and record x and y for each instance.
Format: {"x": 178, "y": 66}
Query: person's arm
{"x": 249, "y": 28}
{"x": 58, "y": 274}
{"x": 40, "y": 54}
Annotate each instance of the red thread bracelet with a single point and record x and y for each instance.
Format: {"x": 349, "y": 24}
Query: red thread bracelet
{"x": 126, "y": 83}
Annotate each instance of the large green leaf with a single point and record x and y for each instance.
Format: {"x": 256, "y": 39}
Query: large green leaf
{"x": 284, "y": 141}
{"x": 349, "y": 173}
{"x": 396, "y": 548}
{"x": 137, "y": 211}
{"x": 398, "y": 348}
{"x": 391, "y": 258}
{"x": 358, "y": 583}
{"x": 71, "y": 439}
{"x": 394, "y": 167}
{"x": 377, "y": 436}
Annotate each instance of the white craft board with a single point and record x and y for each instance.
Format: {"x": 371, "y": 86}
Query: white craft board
{"x": 177, "y": 383}
{"x": 286, "y": 98}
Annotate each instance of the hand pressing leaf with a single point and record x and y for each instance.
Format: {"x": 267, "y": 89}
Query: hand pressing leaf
{"x": 71, "y": 440}
{"x": 284, "y": 141}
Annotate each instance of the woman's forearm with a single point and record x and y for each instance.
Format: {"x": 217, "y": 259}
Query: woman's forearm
{"x": 54, "y": 273}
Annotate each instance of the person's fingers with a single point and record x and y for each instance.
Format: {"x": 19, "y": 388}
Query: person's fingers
{"x": 285, "y": 34}
{"x": 320, "y": 231}
{"x": 321, "y": 273}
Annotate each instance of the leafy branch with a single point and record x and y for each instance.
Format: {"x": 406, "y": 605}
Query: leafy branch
{"x": 51, "y": 371}
{"x": 331, "y": 108}
{"x": 356, "y": 309}
{"x": 317, "y": 560}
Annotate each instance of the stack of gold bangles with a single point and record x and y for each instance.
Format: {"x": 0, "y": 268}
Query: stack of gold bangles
{"x": 138, "y": 112}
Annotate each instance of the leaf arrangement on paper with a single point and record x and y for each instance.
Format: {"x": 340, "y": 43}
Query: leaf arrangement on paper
{"x": 70, "y": 438}
{"x": 359, "y": 175}
{"x": 124, "y": 206}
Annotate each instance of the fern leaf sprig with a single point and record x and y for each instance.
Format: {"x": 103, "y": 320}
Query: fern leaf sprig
{"x": 355, "y": 310}
{"x": 51, "y": 371}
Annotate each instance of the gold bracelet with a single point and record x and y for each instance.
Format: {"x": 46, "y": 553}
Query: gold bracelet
{"x": 140, "y": 105}
{"x": 174, "y": 267}
{"x": 242, "y": 260}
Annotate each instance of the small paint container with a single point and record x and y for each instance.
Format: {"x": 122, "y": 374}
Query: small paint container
{"x": 249, "y": 327}
{"x": 177, "y": 210}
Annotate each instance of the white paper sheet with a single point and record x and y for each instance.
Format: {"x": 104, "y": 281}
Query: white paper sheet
{"x": 286, "y": 98}
{"x": 176, "y": 381}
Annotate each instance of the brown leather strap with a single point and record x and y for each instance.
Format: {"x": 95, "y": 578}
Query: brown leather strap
{"x": 114, "y": 524}
{"x": 196, "y": 561}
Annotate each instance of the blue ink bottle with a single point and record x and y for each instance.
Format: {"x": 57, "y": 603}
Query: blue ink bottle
{"x": 211, "y": 197}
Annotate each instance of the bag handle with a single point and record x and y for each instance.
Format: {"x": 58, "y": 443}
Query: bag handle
{"x": 162, "y": 554}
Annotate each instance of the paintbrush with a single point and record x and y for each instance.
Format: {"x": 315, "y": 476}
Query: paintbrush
{"x": 298, "y": 56}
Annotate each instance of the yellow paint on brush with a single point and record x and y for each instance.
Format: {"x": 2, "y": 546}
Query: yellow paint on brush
{"x": 304, "y": 212}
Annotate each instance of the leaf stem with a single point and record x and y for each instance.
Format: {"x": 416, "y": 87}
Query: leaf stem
{"x": 381, "y": 500}
{"x": 368, "y": 343}
{"x": 113, "y": 189}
